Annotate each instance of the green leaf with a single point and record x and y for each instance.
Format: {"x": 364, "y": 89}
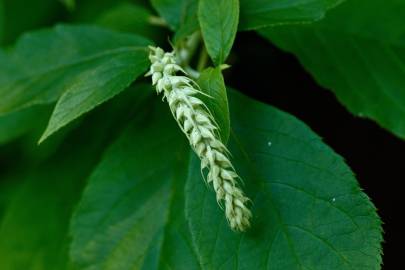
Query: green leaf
{"x": 189, "y": 25}
{"x": 137, "y": 212}
{"x": 309, "y": 212}
{"x": 180, "y": 15}
{"x": 1, "y": 22}
{"x": 70, "y": 4}
{"x": 358, "y": 52}
{"x": 219, "y": 23}
{"x": 47, "y": 63}
{"x": 120, "y": 220}
{"x": 33, "y": 232}
{"x": 79, "y": 65}
{"x": 212, "y": 83}
{"x": 128, "y": 17}
{"x": 255, "y": 14}
{"x": 95, "y": 87}
{"x": 176, "y": 12}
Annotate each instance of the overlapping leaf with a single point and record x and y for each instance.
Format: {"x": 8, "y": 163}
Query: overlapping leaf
{"x": 219, "y": 23}
{"x": 82, "y": 66}
{"x": 358, "y": 52}
{"x": 33, "y": 232}
{"x": 309, "y": 213}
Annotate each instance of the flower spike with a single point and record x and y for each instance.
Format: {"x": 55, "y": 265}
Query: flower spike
{"x": 198, "y": 125}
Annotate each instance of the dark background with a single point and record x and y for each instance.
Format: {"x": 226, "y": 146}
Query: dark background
{"x": 374, "y": 154}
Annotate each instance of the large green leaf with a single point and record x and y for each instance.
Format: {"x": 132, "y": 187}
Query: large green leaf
{"x": 358, "y": 52}
{"x": 309, "y": 212}
{"x": 82, "y": 66}
{"x": 260, "y": 13}
{"x": 219, "y": 23}
{"x": 212, "y": 84}
{"x": 119, "y": 223}
{"x": 137, "y": 212}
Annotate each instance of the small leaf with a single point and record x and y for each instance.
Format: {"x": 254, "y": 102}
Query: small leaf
{"x": 358, "y": 52}
{"x": 189, "y": 24}
{"x": 34, "y": 231}
{"x": 212, "y": 83}
{"x": 219, "y": 23}
{"x": 132, "y": 18}
{"x": 175, "y": 12}
{"x": 95, "y": 87}
{"x": 261, "y": 13}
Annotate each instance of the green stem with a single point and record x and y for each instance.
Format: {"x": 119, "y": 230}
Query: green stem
{"x": 190, "y": 47}
{"x": 202, "y": 60}
{"x": 157, "y": 21}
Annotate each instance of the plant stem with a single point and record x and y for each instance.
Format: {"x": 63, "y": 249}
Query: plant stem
{"x": 157, "y": 21}
{"x": 202, "y": 60}
{"x": 190, "y": 47}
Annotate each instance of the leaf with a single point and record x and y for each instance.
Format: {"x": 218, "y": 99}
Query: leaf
{"x": 358, "y": 52}
{"x": 255, "y": 14}
{"x": 95, "y": 87}
{"x": 70, "y": 4}
{"x": 180, "y": 15}
{"x": 189, "y": 25}
{"x": 2, "y": 30}
{"x": 82, "y": 66}
{"x": 40, "y": 73}
{"x": 128, "y": 17}
{"x": 33, "y": 232}
{"x": 120, "y": 220}
{"x": 309, "y": 212}
{"x": 219, "y": 23}
{"x": 212, "y": 83}
{"x": 176, "y": 12}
